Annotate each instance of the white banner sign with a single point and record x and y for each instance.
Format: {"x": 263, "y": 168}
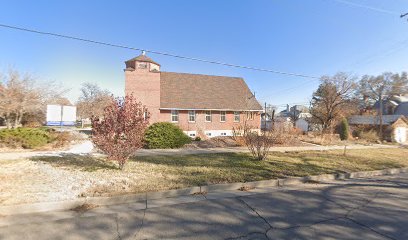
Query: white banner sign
{"x": 58, "y": 115}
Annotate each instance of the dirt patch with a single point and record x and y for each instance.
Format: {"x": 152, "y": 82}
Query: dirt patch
{"x": 215, "y": 142}
{"x": 245, "y": 188}
{"x": 228, "y": 142}
{"x": 84, "y": 208}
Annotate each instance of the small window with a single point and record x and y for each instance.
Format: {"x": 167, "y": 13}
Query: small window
{"x": 174, "y": 115}
{"x": 237, "y": 116}
{"x": 142, "y": 65}
{"x": 191, "y": 116}
{"x": 223, "y": 116}
{"x": 192, "y": 134}
{"x": 223, "y": 134}
{"x": 208, "y": 116}
{"x": 208, "y": 134}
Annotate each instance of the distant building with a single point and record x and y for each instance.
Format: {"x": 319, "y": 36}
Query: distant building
{"x": 395, "y": 105}
{"x": 302, "y": 122}
{"x": 299, "y": 112}
{"x": 202, "y": 105}
{"x": 396, "y": 126}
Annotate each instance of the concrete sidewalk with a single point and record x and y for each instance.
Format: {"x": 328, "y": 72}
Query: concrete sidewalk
{"x": 86, "y": 147}
{"x": 370, "y": 208}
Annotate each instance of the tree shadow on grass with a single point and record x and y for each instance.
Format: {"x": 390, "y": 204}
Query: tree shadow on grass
{"x": 197, "y": 160}
{"x": 233, "y": 167}
{"x": 76, "y": 161}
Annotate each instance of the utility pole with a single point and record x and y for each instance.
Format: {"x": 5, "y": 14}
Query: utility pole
{"x": 265, "y": 114}
{"x": 381, "y": 116}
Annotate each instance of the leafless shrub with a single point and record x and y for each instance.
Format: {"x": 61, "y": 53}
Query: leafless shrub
{"x": 258, "y": 142}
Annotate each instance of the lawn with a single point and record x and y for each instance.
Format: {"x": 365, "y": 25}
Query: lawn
{"x": 53, "y": 178}
{"x": 233, "y": 167}
{"x": 192, "y": 170}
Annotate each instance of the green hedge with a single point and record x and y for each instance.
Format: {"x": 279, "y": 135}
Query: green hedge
{"x": 25, "y": 137}
{"x": 165, "y": 135}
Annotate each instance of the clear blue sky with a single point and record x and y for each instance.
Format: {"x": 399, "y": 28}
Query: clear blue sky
{"x": 314, "y": 37}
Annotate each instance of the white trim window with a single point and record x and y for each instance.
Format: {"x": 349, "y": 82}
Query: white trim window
{"x": 237, "y": 117}
{"x": 174, "y": 115}
{"x": 223, "y": 116}
{"x": 208, "y": 116}
{"x": 191, "y": 116}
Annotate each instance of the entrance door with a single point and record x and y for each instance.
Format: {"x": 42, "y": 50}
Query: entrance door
{"x": 400, "y": 134}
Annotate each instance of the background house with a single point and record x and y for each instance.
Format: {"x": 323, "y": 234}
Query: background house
{"x": 295, "y": 116}
{"x": 394, "y": 105}
{"x": 202, "y": 105}
{"x": 396, "y": 126}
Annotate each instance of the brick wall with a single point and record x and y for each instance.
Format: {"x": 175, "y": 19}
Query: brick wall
{"x": 200, "y": 125}
{"x": 145, "y": 86}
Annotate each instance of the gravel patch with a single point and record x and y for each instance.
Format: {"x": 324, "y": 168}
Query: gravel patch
{"x": 26, "y": 181}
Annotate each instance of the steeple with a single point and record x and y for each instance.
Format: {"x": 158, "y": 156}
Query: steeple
{"x": 142, "y": 63}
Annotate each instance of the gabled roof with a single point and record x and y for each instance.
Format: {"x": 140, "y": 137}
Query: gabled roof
{"x": 197, "y": 91}
{"x": 373, "y": 120}
{"x": 142, "y": 58}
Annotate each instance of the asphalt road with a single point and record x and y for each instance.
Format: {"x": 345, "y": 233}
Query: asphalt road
{"x": 375, "y": 208}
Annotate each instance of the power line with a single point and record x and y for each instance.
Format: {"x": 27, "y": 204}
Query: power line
{"x": 376, "y": 9}
{"x": 380, "y": 54}
{"x": 156, "y": 52}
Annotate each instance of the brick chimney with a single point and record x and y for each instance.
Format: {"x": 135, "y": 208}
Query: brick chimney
{"x": 142, "y": 79}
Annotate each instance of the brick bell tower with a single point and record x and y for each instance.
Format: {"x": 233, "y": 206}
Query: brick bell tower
{"x": 142, "y": 79}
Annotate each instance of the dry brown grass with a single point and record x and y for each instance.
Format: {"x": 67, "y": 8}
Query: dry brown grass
{"x": 177, "y": 171}
{"x": 55, "y": 178}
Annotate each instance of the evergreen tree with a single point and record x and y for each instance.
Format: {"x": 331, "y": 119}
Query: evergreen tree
{"x": 344, "y": 130}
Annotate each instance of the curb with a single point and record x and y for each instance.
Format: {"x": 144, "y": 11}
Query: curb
{"x": 143, "y": 197}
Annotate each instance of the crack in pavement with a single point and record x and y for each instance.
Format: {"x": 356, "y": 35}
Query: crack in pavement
{"x": 367, "y": 202}
{"x": 311, "y": 226}
{"x": 369, "y": 228}
{"x": 348, "y": 217}
{"x": 351, "y": 210}
{"x": 254, "y": 210}
{"x": 117, "y": 226}
{"x": 141, "y": 225}
{"x": 252, "y": 233}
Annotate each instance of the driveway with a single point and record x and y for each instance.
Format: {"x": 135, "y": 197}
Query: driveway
{"x": 372, "y": 208}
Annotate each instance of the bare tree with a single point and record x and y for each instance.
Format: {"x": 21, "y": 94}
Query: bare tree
{"x": 92, "y": 100}
{"x": 22, "y": 94}
{"x": 379, "y": 88}
{"x": 333, "y": 100}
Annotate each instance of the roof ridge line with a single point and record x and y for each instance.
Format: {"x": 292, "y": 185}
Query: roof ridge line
{"x": 201, "y": 74}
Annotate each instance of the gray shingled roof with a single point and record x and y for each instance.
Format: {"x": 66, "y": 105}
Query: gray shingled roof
{"x": 197, "y": 91}
{"x": 402, "y": 109}
{"x": 373, "y": 120}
